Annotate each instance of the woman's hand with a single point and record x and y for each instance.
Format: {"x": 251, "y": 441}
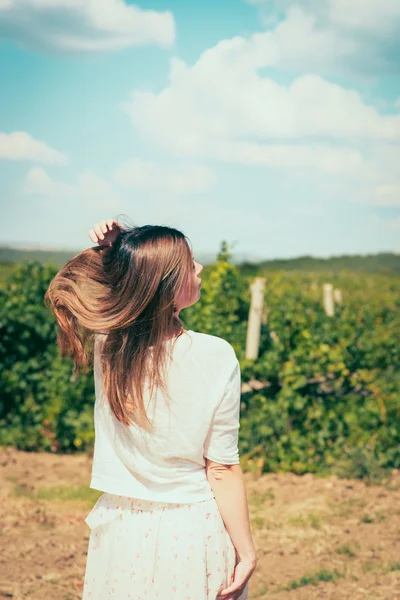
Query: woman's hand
{"x": 243, "y": 571}
{"x": 106, "y": 232}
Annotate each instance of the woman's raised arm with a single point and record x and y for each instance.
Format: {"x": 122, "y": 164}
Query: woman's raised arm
{"x": 105, "y": 233}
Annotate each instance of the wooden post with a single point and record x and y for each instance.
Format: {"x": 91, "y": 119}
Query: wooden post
{"x": 337, "y": 295}
{"x": 329, "y": 306}
{"x": 255, "y": 317}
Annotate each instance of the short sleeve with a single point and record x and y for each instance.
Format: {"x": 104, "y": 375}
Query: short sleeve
{"x": 221, "y": 443}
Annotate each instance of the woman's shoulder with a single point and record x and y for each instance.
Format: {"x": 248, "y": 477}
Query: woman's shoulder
{"x": 213, "y": 344}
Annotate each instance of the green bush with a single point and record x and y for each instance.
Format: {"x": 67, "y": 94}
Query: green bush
{"x": 329, "y": 387}
{"x": 43, "y": 405}
{"x": 332, "y": 402}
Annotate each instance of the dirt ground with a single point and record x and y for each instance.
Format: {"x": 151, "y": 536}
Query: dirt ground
{"x": 315, "y": 538}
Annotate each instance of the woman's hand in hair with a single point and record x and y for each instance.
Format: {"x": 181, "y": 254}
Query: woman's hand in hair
{"x": 105, "y": 233}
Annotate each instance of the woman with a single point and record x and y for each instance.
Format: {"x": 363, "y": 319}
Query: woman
{"x": 172, "y": 522}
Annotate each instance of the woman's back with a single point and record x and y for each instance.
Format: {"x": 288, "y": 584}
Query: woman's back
{"x": 199, "y": 421}
{"x": 170, "y": 524}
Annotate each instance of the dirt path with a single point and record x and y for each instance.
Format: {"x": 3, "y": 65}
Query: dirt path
{"x": 316, "y": 538}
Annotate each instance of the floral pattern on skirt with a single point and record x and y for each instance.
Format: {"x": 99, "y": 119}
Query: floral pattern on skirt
{"x": 144, "y": 550}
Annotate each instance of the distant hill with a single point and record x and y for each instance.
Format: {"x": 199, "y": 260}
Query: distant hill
{"x": 11, "y": 255}
{"x": 16, "y": 255}
{"x": 384, "y": 262}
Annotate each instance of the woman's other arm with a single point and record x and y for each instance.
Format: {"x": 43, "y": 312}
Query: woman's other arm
{"x": 227, "y": 483}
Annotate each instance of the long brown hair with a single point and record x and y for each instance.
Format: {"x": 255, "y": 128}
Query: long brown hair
{"x": 125, "y": 294}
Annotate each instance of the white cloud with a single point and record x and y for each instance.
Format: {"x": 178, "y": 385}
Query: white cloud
{"x": 300, "y": 157}
{"x": 380, "y": 17}
{"x": 84, "y": 25}
{"x": 160, "y": 178}
{"x": 377, "y": 16}
{"x": 388, "y": 194}
{"x": 304, "y": 44}
{"x": 350, "y": 36}
{"x": 90, "y": 188}
{"x": 394, "y": 224}
{"x": 222, "y": 108}
{"x": 20, "y": 146}
{"x": 225, "y": 108}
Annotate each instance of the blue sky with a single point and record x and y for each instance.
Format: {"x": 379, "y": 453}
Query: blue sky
{"x": 272, "y": 124}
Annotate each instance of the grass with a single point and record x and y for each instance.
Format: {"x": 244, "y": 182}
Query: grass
{"x": 262, "y": 591}
{"x": 365, "y": 518}
{"x": 258, "y": 522}
{"x": 348, "y": 507}
{"x": 312, "y": 579}
{"x": 345, "y": 550}
{"x": 65, "y": 493}
{"x": 62, "y": 493}
{"x": 369, "y": 566}
{"x": 22, "y": 490}
{"x": 313, "y": 520}
{"x": 257, "y": 503}
{"x": 257, "y": 500}
{"x": 380, "y": 567}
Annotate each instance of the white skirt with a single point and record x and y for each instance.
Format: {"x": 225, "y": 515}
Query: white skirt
{"x": 145, "y": 550}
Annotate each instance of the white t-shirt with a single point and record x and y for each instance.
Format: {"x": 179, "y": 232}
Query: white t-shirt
{"x": 200, "y": 421}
